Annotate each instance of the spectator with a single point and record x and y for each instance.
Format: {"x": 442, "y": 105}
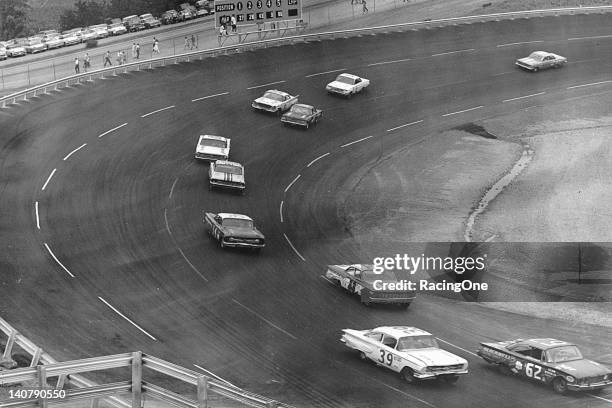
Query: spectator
{"x": 123, "y": 57}
{"x": 194, "y": 41}
{"x": 77, "y": 69}
{"x": 222, "y": 30}
{"x": 107, "y": 59}
{"x": 86, "y": 62}
{"x": 155, "y": 46}
{"x": 137, "y": 50}
{"x": 134, "y": 51}
{"x": 119, "y": 57}
{"x": 365, "y": 7}
{"x": 187, "y": 43}
{"x": 233, "y": 22}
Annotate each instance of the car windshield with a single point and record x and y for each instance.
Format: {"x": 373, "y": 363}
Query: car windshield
{"x": 538, "y": 56}
{"x": 416, "y": 342}
{"x": 237, "y": 222}
{"x": 565, "y": 353}
{"x": 345, "y": 80}
{"x": 228, "y": 168}
{"x": 213, "y": 143}
{"x": 368, "y": 275}
{"x": 274, "y": 96}
{"x": 301, "y": 110}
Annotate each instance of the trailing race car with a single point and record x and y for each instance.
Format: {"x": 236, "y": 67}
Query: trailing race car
{"x": 372, "y": 288}
{"x": 302, "y": 115}
{"x": 234, "y": 230}
{"x": 347, "y": 85}
{"x": 212, "y": 147}
{"x": 226, "y": 174}
{"x": 549, "y": 361}
{"x": 538, "y": 60}
{"x": 274, "y": 101}
{"x": 412, "y": 352}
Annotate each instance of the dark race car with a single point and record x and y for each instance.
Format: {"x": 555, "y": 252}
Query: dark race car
{"x": 549, "y": 361}
{"x": 302, "y": 115}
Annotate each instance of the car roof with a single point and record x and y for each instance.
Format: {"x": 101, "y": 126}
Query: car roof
{"x": 237, "y": 216}
{"x": 303, "y": 105}
{"x": 545, "y": 344}
{"x": 227, "y": 163}
{"x": 349, "y": 75}
{"x": 541, "y": 53}
{"x": 402, "y": 331}
{"x": 276, "y": 91}
{"x": 213, "y": 137}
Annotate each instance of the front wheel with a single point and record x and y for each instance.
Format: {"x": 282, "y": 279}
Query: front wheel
{"x": 408, "y": 375}
{"x": 362, "y": 356}
{"x": 559, "y": 385}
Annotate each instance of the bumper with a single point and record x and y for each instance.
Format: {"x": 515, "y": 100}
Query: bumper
{"x": 294, "y": 122}
{"x": 588, "y": 387}
{"x": 433, "y": 376}
{"x": 343, "y": 92}
{"x": 225, "y": 184}
{"x": 264, "y": 107}
{"x": 525, "y": 66}
{"x": 210, "y": 157}
{"x": 242, "y": 245}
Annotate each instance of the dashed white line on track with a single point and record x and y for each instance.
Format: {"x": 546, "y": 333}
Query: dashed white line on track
{"x": 292, "y": 247}
{"x": 591, "y": 84}
{"x": 191, "y": 265}
{"x": 48, "y": 179}
{"x": 457, "y": 347}
{"x": 127, "y": 318}
{"x": 268, "y": 84}
{"x": 113, "y": 129}
{"x": 172, "y": 188}
{"x": 280, "y": 210}
{"x": 37, "y": 217}
{"x": 209, "y": 96}
{"x": 326, "y": 72}
{"x": 519, "y": 43}
{"x": 264, "y": 319}
{"x": 452, "y": 52}
{"x": 317, "y": 159}
{"x": 601, "y": 398}
{"x": 463, "y": 111}
{"x": 356, "y": 141}
{"x": 157, "y": 111}
{"x": 57, "y": 260}
{"x": 523, "y": 97}
{"x": 215, "y": 376}
{"x": 404, "y": 125}
{"x": 293, "y": 182}
{"x": 74, "y": 151}
{"x": 589, "y": 38}
{"x": 389, "y": 62}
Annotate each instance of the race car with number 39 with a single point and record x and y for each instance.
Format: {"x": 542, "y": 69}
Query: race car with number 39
{"x": 548, "y": 361}
{"x": 274, "y": 101}
{"x": 411, "y": 352}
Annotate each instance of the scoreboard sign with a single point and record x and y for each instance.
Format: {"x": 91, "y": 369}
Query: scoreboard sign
{"x": 248, "y": 12}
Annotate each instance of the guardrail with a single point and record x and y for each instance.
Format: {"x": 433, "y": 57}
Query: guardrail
{"x": 200, "y": 54}
{"x": 43, "y": 367}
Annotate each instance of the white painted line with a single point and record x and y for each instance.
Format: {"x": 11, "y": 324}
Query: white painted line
{"x": 57, "y": 260}
{"x": 523, "y": 97}
{"x": 589, "y": 38}
{"x": 407, "y": 124}
{"x": 112, "y": 130}
{"x": 327, "y": 279}
{"x": 74, "y": 151}
{"x": 209, "y": 96}
{"x": 264, "y": 319}
{"x": 172, "y": 188}
{"x": 48, "y": 179}
{"x": 191, "y": 265}
{"x": 520, "y": 43}
{"x": 356, "y": 141}
{"x": 268, "y": 84}
{"x": 317, "y": 159}
{"x": 601, "y": 398}
{"x": 462, "y": 111}
{"x": 292, "y": 247}
{"x": 409, "y": 395}
{"x": 126, "y": 318}
{"x": 166, "y": 220}
{"x": 37, "y": 217}
{"x": 389, "y": 62}
{"x": 453, "y": 52}
{"x": 157, "y": 111}
{"x": 457, "y": 347}
{"x": 326, "y": 72}
{"x": 591, "y": 84}
{"x": 280, "y": 210}
{"x": 215, "y": 376}
{"x": 293, "y": 182}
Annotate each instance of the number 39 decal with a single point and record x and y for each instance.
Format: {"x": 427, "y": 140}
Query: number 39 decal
{"x": 385, "y": 358}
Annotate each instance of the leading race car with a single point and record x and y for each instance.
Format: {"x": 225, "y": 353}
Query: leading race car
{"x": 226, "y": 174}
{"x": 538, "y": 60}
{"x": 412, "y": 352}
{"x": 302, "y": 115}
{"x": 274, "y": 101}
{"x": 212, "y": 147}
{"x": 234, "y": 230}
{"x": 347, "y": 85}
{"x": 370, "y": 287}
{"x": 549, "y": 361}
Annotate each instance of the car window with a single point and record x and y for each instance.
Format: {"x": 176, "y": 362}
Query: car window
{"x": 345, "y": 80}
{"x": 358, "y": 80}
{"x": 375, "y": 336}
{"x": 389, "y": 341}
{"x": 416, "y": 342}
{"x": 237, "y": 222}
{"x": 274, "y": 96}
{"x": 528, "y": 351}
{"x": 301, "y": 110}
{"x": 213, "y": 143}
{"x": 561, "y": 354}
{"x": 228, "y": 169}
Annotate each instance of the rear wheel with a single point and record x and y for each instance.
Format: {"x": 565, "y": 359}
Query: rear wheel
{"x": 559, "y": 385}
{"x": 408, "y": 375}
{"x": 362, "y": 356}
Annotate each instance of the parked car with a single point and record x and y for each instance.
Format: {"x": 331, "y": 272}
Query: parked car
{"x": 101, "y": 30}
{"x": 34, "y": 45}
{"x": 185, "y": 15}
{"x": 15, "y": 50}
{"x": 3, "y": 54}
{"x": 117, "y": 29}
{"x": 207, "y": 5}
{"x": 538, "y": 60}
{"x": 347, "y": 85}
{"x": 302, "y": 115}
{"x": 274, "y": 101}
{"x": 71, "y": 38}
{"x": 88, "y": 34}
{"x": 234, "y": 230}
{"x": 149, "y": 21}
{"x": 133, "y": 23}
{"x": 55, "y": 41}
{"x": 226, "y": 174}
{"x": 170, "y": 17}
{"x": 212, "y": 147}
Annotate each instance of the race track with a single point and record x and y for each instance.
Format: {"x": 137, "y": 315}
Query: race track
{"x": 103, "y": 204}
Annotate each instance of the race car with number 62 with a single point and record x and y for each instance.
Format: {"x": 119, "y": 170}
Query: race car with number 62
{"x": 548, "y": 361}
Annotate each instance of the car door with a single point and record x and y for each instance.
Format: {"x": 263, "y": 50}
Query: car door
{"x": 387, "y": 355}
{"x": 530, "y": 363}
{"x": 347, "y": 281}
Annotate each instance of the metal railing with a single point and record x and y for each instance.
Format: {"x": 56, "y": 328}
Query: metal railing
{"x": 317, "y": 36}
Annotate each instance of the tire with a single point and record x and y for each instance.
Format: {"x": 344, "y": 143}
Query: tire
{"x": 221, "y": 243}
{"x": 559, "y": 385}
{"x": 536, "y": 69}
{"x": 307, "y": 125}
{"x": 450, "y": 379}
{"x": 362, "y": 356}
{"x": 407, "y": 375}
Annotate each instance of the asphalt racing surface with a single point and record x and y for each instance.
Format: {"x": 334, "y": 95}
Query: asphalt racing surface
{"x": 102, "y": 206}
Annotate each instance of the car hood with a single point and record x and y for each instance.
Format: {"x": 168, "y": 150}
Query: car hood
{"x": 528, "y": 61}
{"x": 434, "y": 357}
{"x": 242, "y": 232}
{"x": 294, "y": 115}
{"x": 267, "y": 101}
{"x": 233, "y": 178}
{"x": 340, "y": 85}
{"x": 582, "y": 368}
{"x": 222, "y": 151}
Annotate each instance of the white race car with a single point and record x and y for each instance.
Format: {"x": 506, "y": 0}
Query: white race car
{"x": 347, "y": 85}
{"x": 226, "y": 174}
{"x": 212, "y": 147}
{"x": 538, "y": 60}
{"x": 274, "y": 101}
{"x": 412, "y": 352}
